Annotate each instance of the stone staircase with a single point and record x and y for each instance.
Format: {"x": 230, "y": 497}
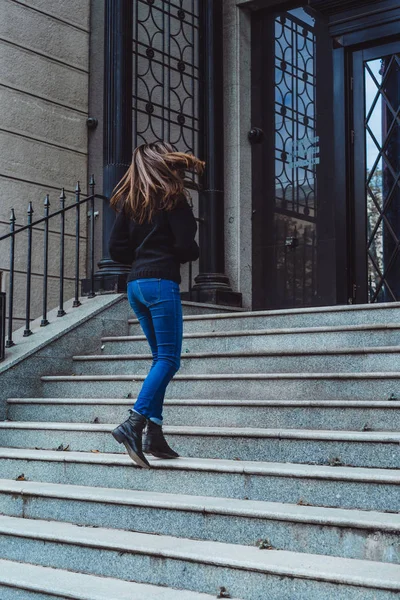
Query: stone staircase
{"x": 289, "y": 488}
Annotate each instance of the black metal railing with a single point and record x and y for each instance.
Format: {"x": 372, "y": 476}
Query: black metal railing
{"x": 2, "y": 324}
{"x": 13, "y": 238}
{"x": 14, "y": 235}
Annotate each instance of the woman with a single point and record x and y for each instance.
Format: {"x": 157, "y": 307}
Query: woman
{"x": 154, "y": 232}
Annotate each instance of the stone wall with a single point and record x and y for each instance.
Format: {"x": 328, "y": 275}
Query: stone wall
{"x": 44, "y": 68}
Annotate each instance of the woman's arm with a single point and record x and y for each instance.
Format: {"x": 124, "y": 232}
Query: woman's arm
{"x": 119, "y": 244}
{"x": 184, "y": 228}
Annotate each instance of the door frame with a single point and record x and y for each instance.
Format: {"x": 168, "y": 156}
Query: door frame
{"x": 348, "y": 228}
{"x": 360, "y": 259}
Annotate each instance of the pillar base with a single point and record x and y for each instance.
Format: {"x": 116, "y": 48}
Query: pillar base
{"x": 214, "y": 288}
{"x": 105, "y": 284}
{"x": 216, "y": 296}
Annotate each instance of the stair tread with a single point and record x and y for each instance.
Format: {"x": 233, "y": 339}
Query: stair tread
{"x": 81, "y": 586}
{"x": 344, "y": 308}
{"x": 261, "y": 332}
{"x": 279, "y": 562}
{"x": 250, "y": 353}
{"x": 232, "y": 376}
{"x": 316, "y": 434}
{"x": 338, "y": 517}
{"x": 216, "y": 402}
{"x": 298, "y": 470}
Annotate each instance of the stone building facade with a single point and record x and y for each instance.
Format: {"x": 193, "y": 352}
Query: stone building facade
{"x": 303, "y": 97}
{"x": 44, "y": 84}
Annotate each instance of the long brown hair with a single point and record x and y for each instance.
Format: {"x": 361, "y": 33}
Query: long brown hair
{"x": 154, "y": 181}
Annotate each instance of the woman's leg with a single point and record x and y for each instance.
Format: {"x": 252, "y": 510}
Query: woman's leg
{"x": 162, "y": 299}
{"x": 130, "y": 432}
{"x": 143, "y": 314}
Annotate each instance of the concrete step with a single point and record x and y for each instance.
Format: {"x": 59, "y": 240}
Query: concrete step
{"x": 329, "y": 531}
{"x": 190, "y": 308}
{"x": 203, "y": 565}
{"x": 301, "y": 317}
{"x": 24, "y": 581}
{"x": 252, "y": 386}
{"x": 353, "y": 415}
{"x": 350, "y": 448}
{"x": 302, "y": 339}
{"x": 316, "y": 361}
{"x": 341, "y": 487}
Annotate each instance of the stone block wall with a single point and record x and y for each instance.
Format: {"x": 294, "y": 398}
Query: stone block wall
{"x": 44, "y": 72}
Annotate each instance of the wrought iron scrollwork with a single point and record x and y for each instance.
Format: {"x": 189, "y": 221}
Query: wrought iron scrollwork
{"x": 166, "y": 72}
{"x": 296, "y": 159}
{"x": 295, "y": 122}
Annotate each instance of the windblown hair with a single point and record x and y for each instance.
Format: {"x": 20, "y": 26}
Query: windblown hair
{"x": 154, "y": 181}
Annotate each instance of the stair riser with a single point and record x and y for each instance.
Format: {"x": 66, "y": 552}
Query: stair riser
{"x": 235, "y": 389}
{"x": 13, "y": 593}
{"x": 208, "y": 578}
{"x": 353, "y": 419}
{"x": 202, "y": 309}
{"x": 280, "y": 342}
{"x": 355, "y": 454}
{"x": 323, "y": 319}
{"x": 347, "y": 542}
{"x": 365, "y": 495}
{"x": 364, "y": 363}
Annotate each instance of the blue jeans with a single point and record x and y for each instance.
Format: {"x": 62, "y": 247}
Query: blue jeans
{"x": 157, "y": 305}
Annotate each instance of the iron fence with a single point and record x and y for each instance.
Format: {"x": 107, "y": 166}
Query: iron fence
{"x": 2, "y": 324}
{"x": 15, "y": 234}
{"x": 13, "y": 237}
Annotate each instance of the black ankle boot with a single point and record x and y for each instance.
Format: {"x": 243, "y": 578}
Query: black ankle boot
{"x": 155, "y": 443}
{"x": 129, "y": 433}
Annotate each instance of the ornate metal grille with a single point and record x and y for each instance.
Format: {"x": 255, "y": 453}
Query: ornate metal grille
{"x": 382, "y": 130}
{"x": 296, "y": 158}
{"x": 296, "y": 151}
{"x": 166, "y": 72}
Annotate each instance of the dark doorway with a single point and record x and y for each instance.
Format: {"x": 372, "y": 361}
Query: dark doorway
{"x": 292, "y": 105}
{"x": 376, "y": 235}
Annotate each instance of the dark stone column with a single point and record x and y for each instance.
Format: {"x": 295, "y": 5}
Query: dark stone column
{"x": 212, "y": 285}
{"x": 118, "y": 27}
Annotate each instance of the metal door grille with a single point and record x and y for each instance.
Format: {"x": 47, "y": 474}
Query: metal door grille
{"x": 166, "y": 72}
{"x": 382, "y": 131}
{"x": 296, "y": 159}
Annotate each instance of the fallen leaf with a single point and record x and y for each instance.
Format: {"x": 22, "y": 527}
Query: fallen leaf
{"x": 97, "y": 451}
{"x": 335, "y": 461}
{"x": 264, "y": 544}
{"x": 303, "y": 502}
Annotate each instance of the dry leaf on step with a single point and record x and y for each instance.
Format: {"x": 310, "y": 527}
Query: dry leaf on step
{"x": 223, "y": 593}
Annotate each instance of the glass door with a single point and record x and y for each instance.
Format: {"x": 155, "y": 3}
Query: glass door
{"x": 376, "y": 140}
{"x": 293, "y": 224}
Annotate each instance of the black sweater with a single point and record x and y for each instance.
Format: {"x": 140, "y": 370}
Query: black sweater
{"x": 158, "y": 248}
